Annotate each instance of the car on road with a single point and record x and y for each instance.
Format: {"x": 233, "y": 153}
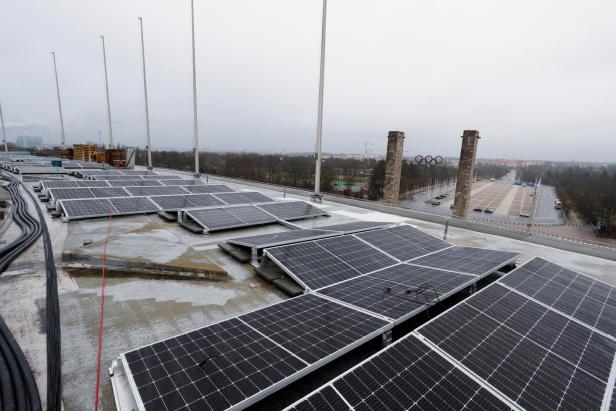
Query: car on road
{"x": 524, "y": 214}
{"x": 479, "y": 209}
{"x": 488, "y": 211}
{"x": 436, "y": 203}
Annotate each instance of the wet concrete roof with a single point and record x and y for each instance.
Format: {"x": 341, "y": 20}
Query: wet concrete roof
{"x": 143, "y": 309}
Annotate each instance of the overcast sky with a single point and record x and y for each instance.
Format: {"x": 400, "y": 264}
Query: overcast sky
{"x": 536, "y": 78}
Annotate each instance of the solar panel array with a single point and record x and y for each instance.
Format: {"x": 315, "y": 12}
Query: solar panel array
{"x": 532, "y": 340}
{"x": 212, "y": 219}
{"x": 321, "y": 263}
{"x": 235, "y": 362}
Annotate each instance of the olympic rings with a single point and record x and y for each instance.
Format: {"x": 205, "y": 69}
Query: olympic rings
{"x": 428, "y": 160}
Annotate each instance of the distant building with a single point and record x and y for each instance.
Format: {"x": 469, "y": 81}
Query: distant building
{"x": 28, "y": 141}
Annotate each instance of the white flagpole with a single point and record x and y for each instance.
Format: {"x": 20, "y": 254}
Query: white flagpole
{"x": 317, "y": 154}
{"x": 55, "y": 70}
{"x": 148, "y": 147}
{"x": 107, "y": 93}
{"x": 6, "y": 148}
{"x": 194, "y": 80}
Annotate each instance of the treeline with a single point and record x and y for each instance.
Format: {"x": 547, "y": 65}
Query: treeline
{"x": 588, "y": 191}
{"x": 361, "y": 178}
{"x": 491, "y": 171}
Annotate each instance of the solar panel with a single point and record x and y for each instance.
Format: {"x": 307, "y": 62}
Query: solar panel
{"x": 567, "y": 291}
{"x": 399, "y": 292}
{"x": 96, "y": 207}
{"x": 533, "y": 355}
{"x": 311, "y": 265}
{"x": 207, "y": 189}
{"x": 355, "y": 226}
{"x": 172, "y": 202}
{"x": 404, "y": 242}
{"x": 235, "y": 362}
{"x": 134, "y": 183}
{"x": 67, "y": 193}
{"x": 104, "y": 192}
{"x": 356, "y": 253}
{"x": 214, "y": 368}
{"x": 204, "y": 200}
{"x": 230, "y": 217}
{"x": 185, "y": 201}
{"x": 312, "y": 327}
{"x": 47, "y": 184}
{"x": 251, "y": 215}
{"x": 406, "y": 375}
{"x": 133, "y": 205}
{"x": 151, "y": 191}
{"x": 88, "y": 208}
{"x": 274, "y": 239}
{"x": 181, "y": 182}
{"x": 243, "y": 198}
{"x": 477, "y": 261}
{"x": 292, "y": 210}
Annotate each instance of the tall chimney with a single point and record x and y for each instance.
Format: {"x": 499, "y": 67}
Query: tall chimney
{"x": 466, "y": 168}
{"x": 393, "y": 166}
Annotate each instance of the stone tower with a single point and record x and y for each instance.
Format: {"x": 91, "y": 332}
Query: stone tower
{"x": 466, "y": 168}
{"x": 393, "y": 166}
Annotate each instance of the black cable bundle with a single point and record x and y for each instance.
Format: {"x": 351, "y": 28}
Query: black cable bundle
{"x": 18, "y": 389}
{"x": 54, "y": 357}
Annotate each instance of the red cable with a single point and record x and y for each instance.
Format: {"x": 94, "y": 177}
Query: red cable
{"x": 102, "y": 314}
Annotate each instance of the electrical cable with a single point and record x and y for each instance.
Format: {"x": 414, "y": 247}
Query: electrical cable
{"x": 19, "y": 389}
